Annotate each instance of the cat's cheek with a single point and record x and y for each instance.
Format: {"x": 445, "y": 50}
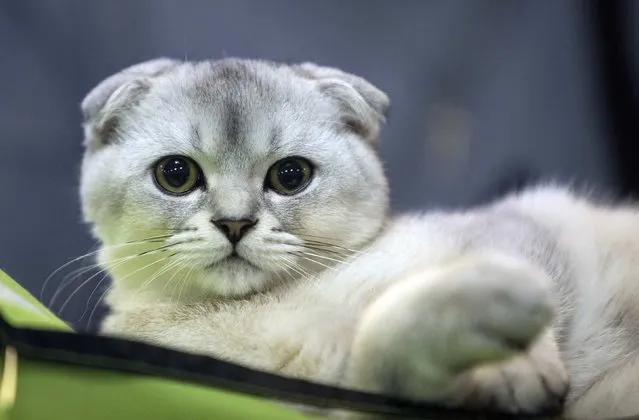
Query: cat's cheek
{"x": 279, "y": 212}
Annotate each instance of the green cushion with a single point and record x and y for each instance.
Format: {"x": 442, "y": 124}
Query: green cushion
{"x": 58, "y": 391}
{"x": 50, "y": 372}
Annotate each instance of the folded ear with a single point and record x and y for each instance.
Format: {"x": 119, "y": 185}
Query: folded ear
{"x": 364, "y": 107}
{"x": 103, "y": 106}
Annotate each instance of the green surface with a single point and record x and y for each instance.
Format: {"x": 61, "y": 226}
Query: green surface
{"x": 60, "y": 392}
{"x": 22, "y": 309}
{"x": 46, "y": 391}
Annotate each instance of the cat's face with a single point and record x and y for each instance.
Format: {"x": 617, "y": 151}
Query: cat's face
{"x": 223, "y": 177}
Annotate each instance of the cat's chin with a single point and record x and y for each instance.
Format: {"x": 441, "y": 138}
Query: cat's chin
{"x": 235, "y": 276}
{"x": 233, "y": 262}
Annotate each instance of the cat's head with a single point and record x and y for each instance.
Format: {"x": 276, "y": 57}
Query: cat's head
{"x": 222, "y": 177}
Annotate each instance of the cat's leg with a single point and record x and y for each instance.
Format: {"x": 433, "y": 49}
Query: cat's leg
{"x": 610, "y": 395}
{"x": 473, "y": 333}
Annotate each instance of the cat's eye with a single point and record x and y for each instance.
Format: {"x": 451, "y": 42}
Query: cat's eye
{"x": 177, "y": 175}
{"x": 289, "y": 176}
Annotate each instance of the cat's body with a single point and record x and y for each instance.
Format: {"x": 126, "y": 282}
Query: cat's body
{"x": 452, "y": 306}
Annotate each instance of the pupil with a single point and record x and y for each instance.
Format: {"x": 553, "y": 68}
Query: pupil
{"x": 291, "y": 175}
{"x": 176, "y": 172}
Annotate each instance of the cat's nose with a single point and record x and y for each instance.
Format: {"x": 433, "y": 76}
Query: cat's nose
{"x": 234, "y": 229}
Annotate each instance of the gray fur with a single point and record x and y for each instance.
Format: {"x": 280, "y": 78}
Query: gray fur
{"x": 115, "y": 95}
{"x": 514, "y": 305}
{"x": 235, "y": 118}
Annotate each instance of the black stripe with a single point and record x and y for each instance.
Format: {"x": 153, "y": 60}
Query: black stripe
{"x": 620, "y": 87}
{"x": 120, "y": 355}
{"x": 232, "y": 122}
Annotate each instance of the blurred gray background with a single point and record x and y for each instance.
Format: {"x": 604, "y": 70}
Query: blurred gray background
{"x": 487, "y": 95}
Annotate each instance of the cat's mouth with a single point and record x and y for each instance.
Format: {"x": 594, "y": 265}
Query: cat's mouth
{"x": 232, "y": 260}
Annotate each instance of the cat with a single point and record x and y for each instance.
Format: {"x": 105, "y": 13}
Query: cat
{"x": 243, "y": 212}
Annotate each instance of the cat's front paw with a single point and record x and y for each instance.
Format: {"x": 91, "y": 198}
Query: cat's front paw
{"x": 534, "y": 382}
{"x": 450, "y": 335}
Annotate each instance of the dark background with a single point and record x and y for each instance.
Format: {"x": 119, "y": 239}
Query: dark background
{"x": 487, "y": 95}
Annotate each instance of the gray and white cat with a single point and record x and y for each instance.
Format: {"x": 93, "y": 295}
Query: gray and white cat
{"x": 243, "y": 212}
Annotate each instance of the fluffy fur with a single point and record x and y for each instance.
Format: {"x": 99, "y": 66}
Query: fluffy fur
{"x": 514, "y": 305}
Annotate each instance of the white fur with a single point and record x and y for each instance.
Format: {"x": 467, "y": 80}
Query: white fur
{"x": 501, "y": 306}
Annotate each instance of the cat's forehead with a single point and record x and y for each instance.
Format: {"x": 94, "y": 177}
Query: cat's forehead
{"x": 234, "y": 106}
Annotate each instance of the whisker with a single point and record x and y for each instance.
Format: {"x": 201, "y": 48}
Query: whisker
{"x": 159, "y": 238}
{"x": 66, "y": 302}
{"x": 140, "y": 241}
{"x": 176, "y": 285}
{"x": 328, "y": 244}
{"x": 338, "y": 247}
{"x": 92, "y": 253}
{"x": 280, "y": 279}
{"x": 97, "y": 286}
{"x": 344, "y": 255}
{"x": 309, "y": 280}
{"x": 97, "y": 304}
{"x": 286, "y": 271}
{"x": 319, "y": 246}
{"x": 87, "y": 281}
{"x": 162, "y": 248}
{"x": 167, "y": 229}
{"x": 105, "y": 267}
{"x": 146, "y": 266}
{"x": 306, "y": 274}
{"x": 70, "y": 278}
{"x": 302, "y": 255}
{"x": 292, "y": 265}
{"x": 161, "y": 271}
{"x": 184, "y": 283}
{"x": 322, "y": 257}
{"x": 292, "y": 274}
{"x": 46, "y": 281}
{"x": 63, "y": 286}
{"x": 184, "y": 263}
{"x": 301, "y": 234}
